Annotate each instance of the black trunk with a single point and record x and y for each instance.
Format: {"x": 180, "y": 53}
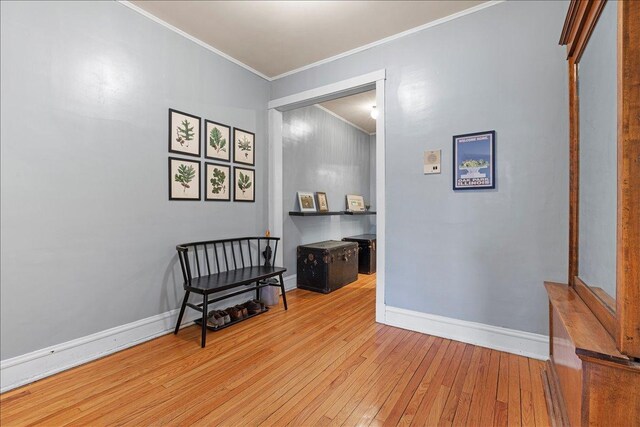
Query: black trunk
{"x": 327, "y": 266}
{"x": 367, "y": 252}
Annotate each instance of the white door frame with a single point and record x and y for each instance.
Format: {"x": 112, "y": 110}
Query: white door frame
{"x": 313, "y": 96}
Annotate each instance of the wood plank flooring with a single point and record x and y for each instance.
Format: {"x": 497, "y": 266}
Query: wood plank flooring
{"x": 323, "y": 362}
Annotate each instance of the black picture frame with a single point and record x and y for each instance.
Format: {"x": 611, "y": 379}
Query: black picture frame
{"x": 171, "y": 176}
{"x": 205, "y": 143}
{"x": 172, "y": 149}
{"x": 465, "y": 182}
{"x": 207, "y": 181}
{"x": 253, "y": 151}
{"x": 235, "y": 188}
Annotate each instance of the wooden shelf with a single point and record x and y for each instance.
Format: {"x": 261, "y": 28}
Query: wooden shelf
{"x": 359, "y": 213}
{"x": 296, "y": 213}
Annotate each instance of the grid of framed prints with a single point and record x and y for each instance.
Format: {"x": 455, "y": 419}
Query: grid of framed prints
{"x": 221, "y": 143}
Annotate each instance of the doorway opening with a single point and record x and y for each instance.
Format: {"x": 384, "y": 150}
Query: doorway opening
{"x": 324, "y": 140}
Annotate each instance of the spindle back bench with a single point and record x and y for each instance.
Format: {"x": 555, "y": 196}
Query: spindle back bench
{"x": 216, "y": 266}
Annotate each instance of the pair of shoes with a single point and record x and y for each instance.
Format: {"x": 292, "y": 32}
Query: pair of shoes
{"x": 253, "y": 306}
{"x": 217, "y": 318}
{"x": 214, "y": 320}
{"x": 225, "y": 316}
{"x": 234, "y": 313}
{"x": 243, "y": 310}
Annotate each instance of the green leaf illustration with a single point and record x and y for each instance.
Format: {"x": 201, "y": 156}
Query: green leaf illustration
{"x": 244, "y": 182}
{"x": 244, "y": 144}
{"x": 184, "y": 133}
{"x": 217, "y": 181}
{"x": 185, "y": 175}
{"x": 217, "y": 141}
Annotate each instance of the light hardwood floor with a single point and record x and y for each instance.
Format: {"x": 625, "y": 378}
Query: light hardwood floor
{"x": 323, "y": 362}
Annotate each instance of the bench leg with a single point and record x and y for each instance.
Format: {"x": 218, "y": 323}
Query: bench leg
{"x": 257, "y": 291}
{"x": 205, "y": 302}
{"x": 184, "y": 305}
{"x": 284, "y": 294}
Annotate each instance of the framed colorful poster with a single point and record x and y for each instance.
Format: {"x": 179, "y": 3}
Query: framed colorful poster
{"x": 244, "y": 147}
{"x": 474, "y": 161}
{"x": 217, "y": 141}
{"x": 184, "y": 133}
{"x": 244, "y": 185}
{"x": 216, "y": 182}
{"x": 184, "y": 179}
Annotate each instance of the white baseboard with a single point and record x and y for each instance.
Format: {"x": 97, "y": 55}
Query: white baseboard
{"x": 30, "y": 367}
{"x": 290, "y": 282}
{"x": 509, "y": 340}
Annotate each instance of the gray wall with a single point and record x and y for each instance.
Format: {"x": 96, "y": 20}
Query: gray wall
{"x": 478, "y": 256}
{"x": 88, "y": 235}
{"x": 598, "y": 154}
{"x": 322, "y": 153}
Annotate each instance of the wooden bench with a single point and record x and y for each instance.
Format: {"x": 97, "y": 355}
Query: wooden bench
{"x": 224, "y": 265}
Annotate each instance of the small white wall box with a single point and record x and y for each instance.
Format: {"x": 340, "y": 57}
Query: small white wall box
{"x": 432, "y": 162}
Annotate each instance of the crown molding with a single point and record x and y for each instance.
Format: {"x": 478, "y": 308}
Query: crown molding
{"x": 392, "y": 38}
{"x": 193, "y": 39}
{"x": 317, "y": 63}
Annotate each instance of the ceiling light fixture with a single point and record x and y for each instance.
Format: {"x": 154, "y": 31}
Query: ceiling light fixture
{"x": 374, "y": 113}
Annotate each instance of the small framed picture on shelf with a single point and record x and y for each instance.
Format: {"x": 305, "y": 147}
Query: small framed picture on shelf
{"x": 244, "y": 147}
{"x": 184, "y": 133}
{"x": 306, "y": 201}
{"x": 217, "y": 137}
{"x": 184, "y": 179}
{"x": 355, "y": 203}
{"x": 244, "y": 184}
{"x": 474, "y": 161}
{"x": 323, "y": 204}
{"x": 216, "y": 182}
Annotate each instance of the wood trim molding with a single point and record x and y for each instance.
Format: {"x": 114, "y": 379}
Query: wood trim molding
{"x": 574, "y": 173}
{"x": 590, "y": 19}
{"x": 628, "y": 240}
{"x": 606, "y": 317}
{"x": 555, "y": 402}
{"x": 579, "y": 24}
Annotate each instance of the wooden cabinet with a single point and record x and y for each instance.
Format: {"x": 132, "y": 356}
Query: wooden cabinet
{"x": 593, "y": 376}
{"x": 589, "y": 382}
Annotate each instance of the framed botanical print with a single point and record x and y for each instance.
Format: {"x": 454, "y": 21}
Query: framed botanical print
{"x": 217, "y": 141}
{"x": 244, "y": 147}
{"x": 184, "y": 133}
{"x": 474, "y": 161}
{"x": 323, "y": 205}
{"x": 184, "y": 179}
{"x": 306, "y": 201}
{"x": 216, "y": 182}
{"x": 244, "y": 184}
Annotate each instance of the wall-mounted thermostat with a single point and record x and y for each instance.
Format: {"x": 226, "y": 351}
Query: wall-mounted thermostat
{"x": 432, "y": 161}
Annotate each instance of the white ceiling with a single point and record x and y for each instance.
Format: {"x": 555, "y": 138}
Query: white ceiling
{"x": 355, "y": 109}
{"x": 275, "y": 37}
